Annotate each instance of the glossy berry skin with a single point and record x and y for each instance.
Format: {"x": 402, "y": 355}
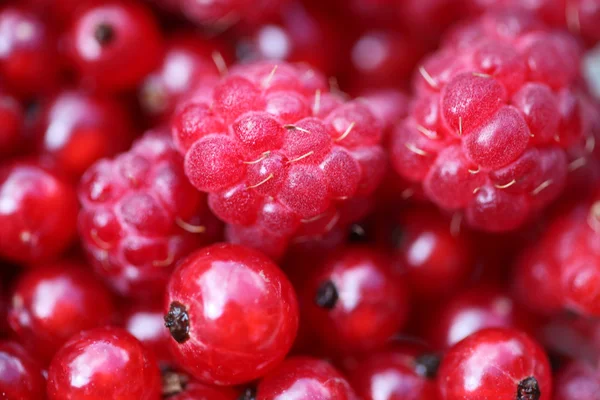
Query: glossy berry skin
{"x": 140, "y": 216}
{"x": 77, "y": 129}
{"x": 434, "y": 261}
{"x": 493, "y": 120}
{"x": 187, "y": 60}
{"x": 305, "y": 378}
{"x": 355, "y": 302}
{"x": 278, "y": 155}
{"x": 473, "y": 310}
{"x": 567, "y": 260}
{"x": 21, "y": 376}
{"x": 232, "y": 314}
{"x": 178, "y": 386}
{"x": 11, "y": 123}
{"x": 114, "y": 45}
{"x": 103, "y": 363}
{"x": 146, "y": 323}
{"x": 28, "y": 55}
{"x": 403, "y": 371}
{"x": 291, "y": 38}
{"x": 38, "y": 213}
{"x": 502, "y": 364}
{"x": 577, "y": 380}
{"x": 51, "y": 303}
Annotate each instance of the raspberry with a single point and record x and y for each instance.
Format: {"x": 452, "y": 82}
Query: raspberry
{"x": 140, "y": 215}
{"x": 276, "y": 152}
{"x": 495, "y": 113}
{"x": 567, "y": 260}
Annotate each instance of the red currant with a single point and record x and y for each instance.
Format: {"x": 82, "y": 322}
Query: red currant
{"x": 146, "y": 323}
{"x": 115, "y": 44}
{"x": 405, "y": 371}
{"x": 28, "y": 56}
{"x": 11, "y": 123}
{"x": 232, "y": 314}
{"x": 497, "y": 364}
{"x": 21, "y": 376}
{"x": 103, "y": 363}
{"x": 305, "y": 378}
{"x": 177, "y": 386}
{"x": 77, "y": 129}
{"x": 53, "y": 302}
{"x": 355, "y": 302}
{"x": 577, "y": 380}
{"x": 38, "y": 212}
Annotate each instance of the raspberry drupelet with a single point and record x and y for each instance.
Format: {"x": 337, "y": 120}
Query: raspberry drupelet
{"x": 232, "y": 314}
{"x": 277, "y": 152}
{"x": 140, "y": 215}
{"x": 495, "y": 112}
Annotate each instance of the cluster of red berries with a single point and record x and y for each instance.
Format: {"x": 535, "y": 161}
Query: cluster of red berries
{"x": 299, "y": 200}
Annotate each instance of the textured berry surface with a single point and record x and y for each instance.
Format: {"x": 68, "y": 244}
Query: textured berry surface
{"x": 90, "y": 363}
{"x": 495, "y": 112}
{"x": 77, "y": 129}
{"x": 53, "y": 302}
{"x": 497, "y": 364}
{"x": 305, "y": 378}
{"x": 140, "y": 216}
{"x": 276, "y": 152}
{"x": 115, "y": 44}
{"x": 21, "y": 376}
{"x": 232, "y": 314}
{"x": 355, "y": 301}
{"x": 38, "y": 213}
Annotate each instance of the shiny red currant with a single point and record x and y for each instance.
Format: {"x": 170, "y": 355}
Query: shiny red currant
{"x": 77, "y": 129}
{"x": 305, "y": 378}
{"x": 21, "y": 376}
{"x": 53, "y": 302}
{"x": 496, "y": 363}
{"x": 103, "y": 363}
{"x": 578, "y": 380}
{"x": 38, "y": 213}
{"x": 405, "y": 371}
{"x": 146, "y": 323}
{"x": 232, "y": 314}
{"x": 354, "y": 302}
{"x": 115, "y": 44}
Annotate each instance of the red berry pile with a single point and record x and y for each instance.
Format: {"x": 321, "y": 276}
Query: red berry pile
{"x": 300, "y": 200}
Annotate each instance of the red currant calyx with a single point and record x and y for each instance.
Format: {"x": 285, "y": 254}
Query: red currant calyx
{"x": 178, "y": 322}
{"x": 528, "y": 389}
{"x": 327, "y": 295}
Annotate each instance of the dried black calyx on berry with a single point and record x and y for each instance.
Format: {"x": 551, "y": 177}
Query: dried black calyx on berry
{"x": 427, "y": 365}
{"x": 248, "y": 394}
{"x": 528, "y": 389}
{"x": 173, "y": 383}
{"x": 178, "y": 322}
{"x": 104, "y": 34}
{"x": 327, "y": 295}
{"x": 357, "y": 234}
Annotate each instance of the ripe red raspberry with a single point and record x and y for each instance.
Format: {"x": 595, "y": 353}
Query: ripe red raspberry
{"x": 276, "y": 152}
{"x": 564, "y": 265}
{"x": 140, "y": 215}
{"x": 495, "y": 111}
